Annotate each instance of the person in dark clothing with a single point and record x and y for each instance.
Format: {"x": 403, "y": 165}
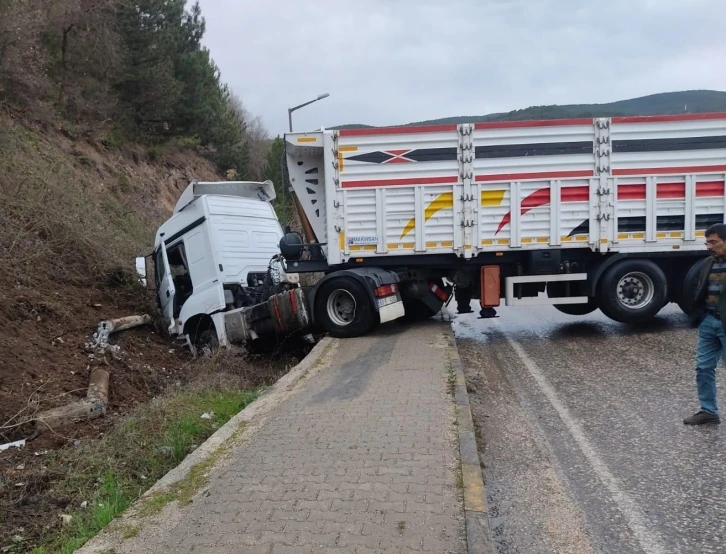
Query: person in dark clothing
{"x": 462, "y": 295}
{"x": 705, "y": 303}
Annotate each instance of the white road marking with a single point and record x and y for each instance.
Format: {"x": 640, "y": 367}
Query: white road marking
{"x": 634, "y": 515}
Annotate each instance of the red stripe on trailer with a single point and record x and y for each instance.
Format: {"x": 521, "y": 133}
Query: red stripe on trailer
{"x": 400, "y": 182}
{"x": 575, "y": 194}
{"x": 666, "y": 191}
{"x": 535, "y": 175}
{"x": 533, "y": 123}
{"x": 670, "y": 191}
{"x": 631, "y": 192}
{"x": 710, "y": 188}
{"x": 538, "y": 198}
{"x": 666, "y": 118}
{"x": 670, "y": 170}
{"x": 396, "y": 130}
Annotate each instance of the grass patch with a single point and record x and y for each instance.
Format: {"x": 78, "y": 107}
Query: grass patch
{"x": 197, "y": 478}
{"x": 114, "y": 139}
{"x": 192, "y": 143}
{"x": 115, "y": 472}
{"x": 123, "y": 183}
{"x": 451, "y": 380}
{"x": 131, "y": 532}
{"x": 155, "y": 504}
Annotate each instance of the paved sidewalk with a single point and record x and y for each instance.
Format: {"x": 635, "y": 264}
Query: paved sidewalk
{"x": 361, "y": 458}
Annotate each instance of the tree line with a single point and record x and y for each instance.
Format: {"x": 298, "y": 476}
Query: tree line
{"x": 136, "y": 68}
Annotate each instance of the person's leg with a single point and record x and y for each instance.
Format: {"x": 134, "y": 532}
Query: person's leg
{"x": 463, "y": 300}
{"x": 721, "y": 333}
{"x": 709, "y": 351}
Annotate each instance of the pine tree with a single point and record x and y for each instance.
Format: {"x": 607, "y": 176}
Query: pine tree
{"x": 275, "y": 169}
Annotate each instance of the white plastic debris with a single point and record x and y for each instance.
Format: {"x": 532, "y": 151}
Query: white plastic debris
{"x": 206, "y": 415}
{"x": 16, "y": 444}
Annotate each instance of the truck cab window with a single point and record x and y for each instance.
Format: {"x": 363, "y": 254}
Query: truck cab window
{"x": 180, "y": 275}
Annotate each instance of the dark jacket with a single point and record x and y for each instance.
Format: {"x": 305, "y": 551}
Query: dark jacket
{"x": 695, "y": 290}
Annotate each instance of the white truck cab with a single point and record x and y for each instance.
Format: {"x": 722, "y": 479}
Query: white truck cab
{"x": 213, "y": 255}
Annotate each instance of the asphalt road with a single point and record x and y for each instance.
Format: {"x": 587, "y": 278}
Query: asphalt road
{"x": 581, "y": 434}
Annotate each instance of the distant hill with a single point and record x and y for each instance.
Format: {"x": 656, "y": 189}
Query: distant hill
{"x": 691, "y": 101}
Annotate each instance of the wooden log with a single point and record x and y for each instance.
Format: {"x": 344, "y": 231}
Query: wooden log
{"x": 99, "y": 342}
{"x": 91, "y": 407}
{"x": 98, "y": 385}
{"x": 82, "y": 410}
{"x": 123, "y": 323}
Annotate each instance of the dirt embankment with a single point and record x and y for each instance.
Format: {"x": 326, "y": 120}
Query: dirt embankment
{"x": 73, "y": 214}
{"x": 74, "y": 211}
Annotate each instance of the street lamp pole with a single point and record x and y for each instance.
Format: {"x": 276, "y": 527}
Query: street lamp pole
{"x": 290, "y": 110}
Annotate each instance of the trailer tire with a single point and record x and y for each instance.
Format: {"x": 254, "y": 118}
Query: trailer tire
{"x": 557, "y": 290}
{"x": 633, "y": 291}
{"x": 344, "y": 308}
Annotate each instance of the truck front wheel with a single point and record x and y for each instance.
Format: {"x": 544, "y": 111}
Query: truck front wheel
{"x": 633, "y": 291}
{"x": 344, "y": 309}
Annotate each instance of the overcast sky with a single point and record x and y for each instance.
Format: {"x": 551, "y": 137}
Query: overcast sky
{"x": 387, "y": 62}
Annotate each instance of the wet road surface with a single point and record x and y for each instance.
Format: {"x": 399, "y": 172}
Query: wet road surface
{"x": 581, "y": 434}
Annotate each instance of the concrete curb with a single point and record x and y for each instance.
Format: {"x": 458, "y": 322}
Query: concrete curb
{"x": 476, "y": 510}
{"x": 108, "y": 537}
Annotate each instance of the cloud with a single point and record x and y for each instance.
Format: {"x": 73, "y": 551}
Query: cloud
{"x": 386, "y": 62}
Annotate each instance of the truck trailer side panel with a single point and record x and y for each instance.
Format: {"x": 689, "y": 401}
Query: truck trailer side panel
{"x": 630, "y": 185}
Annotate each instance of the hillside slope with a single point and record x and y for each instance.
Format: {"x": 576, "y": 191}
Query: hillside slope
{"x": 74, "y": 214}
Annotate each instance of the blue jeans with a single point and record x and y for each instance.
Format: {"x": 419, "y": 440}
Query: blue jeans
{"x": 711, "y": 348}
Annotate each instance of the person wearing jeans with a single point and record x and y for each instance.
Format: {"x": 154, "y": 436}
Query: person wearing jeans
{"x": 705, "y": 303}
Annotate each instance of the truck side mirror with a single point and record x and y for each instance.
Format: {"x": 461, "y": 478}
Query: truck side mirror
{"x": 141, "y": 270}
{"x": 142, "y": 273}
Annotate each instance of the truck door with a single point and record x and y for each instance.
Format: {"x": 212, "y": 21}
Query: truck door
{"x": 165, "y": 286}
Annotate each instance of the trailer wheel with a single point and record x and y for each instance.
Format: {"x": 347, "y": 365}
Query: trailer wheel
{"x": 344, "y": 309}
{"x": 633, "y": 291}
{"x": 557, "y": 290}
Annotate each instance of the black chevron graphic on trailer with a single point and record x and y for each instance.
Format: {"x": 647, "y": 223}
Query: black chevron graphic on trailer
{"x": 371, "y": 157}
{"x": 418, "y": 155}
{"x": 582, "y": 229}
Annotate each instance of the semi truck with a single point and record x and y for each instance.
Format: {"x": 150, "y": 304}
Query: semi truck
{"x": 581, "y": 214}
{"x": 216, "y": 258}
